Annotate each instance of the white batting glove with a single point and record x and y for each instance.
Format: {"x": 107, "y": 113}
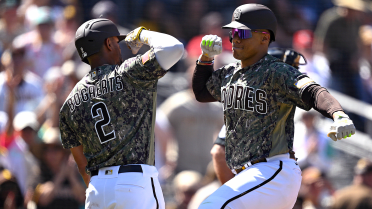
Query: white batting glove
{"x": 211, "y": 45}
{"x": 342, "y": 127}
{"x": 133, "y": 40}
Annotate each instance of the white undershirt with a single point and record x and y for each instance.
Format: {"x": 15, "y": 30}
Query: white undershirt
{"x": 168, "y": 50}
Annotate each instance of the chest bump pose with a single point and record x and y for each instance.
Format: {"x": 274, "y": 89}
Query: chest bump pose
{"x": 107, "y": 121}
{"x": 259, "y": 94}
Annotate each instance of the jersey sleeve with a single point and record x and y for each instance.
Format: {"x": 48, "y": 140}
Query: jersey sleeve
{"x": 143, "y": 67}
{"x": 68, "y": 136}
{"x": 214, "y": 83}
{"x": 290, "y": 84}
{"x": 221, "y": 138}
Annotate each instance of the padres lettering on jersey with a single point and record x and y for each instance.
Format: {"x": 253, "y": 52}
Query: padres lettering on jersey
{"x": 259, "y": 104}
{"x": 111, "y": 112}
{"x": 243, "y": 97}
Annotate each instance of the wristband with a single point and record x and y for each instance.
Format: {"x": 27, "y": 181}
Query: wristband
{"x": 199, "y": 62}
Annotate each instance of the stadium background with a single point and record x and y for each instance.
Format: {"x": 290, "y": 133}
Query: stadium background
{"x": 37, "y": 35}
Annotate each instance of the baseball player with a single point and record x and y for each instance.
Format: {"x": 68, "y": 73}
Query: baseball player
{"x": 107, "y": 121}
{"x": 259, "y": 94}
{"x": 289, "y": 56}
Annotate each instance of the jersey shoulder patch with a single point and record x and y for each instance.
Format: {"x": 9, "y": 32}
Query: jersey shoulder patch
{"x": 145, "y": 57}
{"x": 303, "y": 82}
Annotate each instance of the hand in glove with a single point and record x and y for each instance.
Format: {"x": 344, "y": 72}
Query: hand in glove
{"x": 133, "y": 40}
{"x": 211, "y": 45}
{"x": 342, "y": 127}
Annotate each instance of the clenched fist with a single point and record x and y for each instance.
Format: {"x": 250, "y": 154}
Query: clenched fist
{"x": 211, "y": 45}
{"x": 133, "y": 40}
{"x": 342, "y": 127}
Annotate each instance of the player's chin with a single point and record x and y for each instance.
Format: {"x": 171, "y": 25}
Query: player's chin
{"x": 236, "y": 54}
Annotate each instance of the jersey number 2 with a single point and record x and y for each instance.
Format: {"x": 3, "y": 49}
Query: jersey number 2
{"x": 100, "y": 109}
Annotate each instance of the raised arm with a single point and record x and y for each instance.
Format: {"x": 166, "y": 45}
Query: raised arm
{"x": 168, "y": 50}
{"x": 211, "y": 45}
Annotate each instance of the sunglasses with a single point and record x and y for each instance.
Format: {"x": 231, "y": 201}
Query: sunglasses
{"x": 244, "y": 34}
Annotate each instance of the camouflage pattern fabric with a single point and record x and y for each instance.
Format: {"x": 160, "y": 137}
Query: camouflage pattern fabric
{"x": 259, "y": 105}
{"x": 111, "y": 112}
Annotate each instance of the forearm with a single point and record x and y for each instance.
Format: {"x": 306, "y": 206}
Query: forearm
{"x": 223, "y": 172}
{"x": 85, "y": 177}
{"x": 168, "y": 50}
{"x": 321, "y": 100}
{"x": 81, "y": 161}
{"x": 199, "y": 79}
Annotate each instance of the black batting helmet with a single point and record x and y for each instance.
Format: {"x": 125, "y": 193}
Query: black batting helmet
{"x": 91, "y": 35}
{"x": 253, "y": 16}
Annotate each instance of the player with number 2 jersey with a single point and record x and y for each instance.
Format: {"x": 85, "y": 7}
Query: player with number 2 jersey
{"x": 107, "y": 121}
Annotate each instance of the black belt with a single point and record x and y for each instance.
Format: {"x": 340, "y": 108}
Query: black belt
{"x": 291, "y": 155}
{"x": 122, "y": 169}
{"x": 252, "y": 163}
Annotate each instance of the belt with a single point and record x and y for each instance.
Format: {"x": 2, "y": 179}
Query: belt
{"x": 123, "y": 169}
{"x": 250, "y": 163}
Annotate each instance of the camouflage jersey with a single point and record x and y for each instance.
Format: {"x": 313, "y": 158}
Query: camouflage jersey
{"x": 259, "y": 105}
{"x": 111, "y": 112}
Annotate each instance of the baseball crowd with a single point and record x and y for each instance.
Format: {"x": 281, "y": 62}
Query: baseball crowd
{"x": 40, "y": 66}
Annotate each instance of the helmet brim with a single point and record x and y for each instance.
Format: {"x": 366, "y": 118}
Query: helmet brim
{"x": 235, "y": 24}
{"x": 121, "y": 37}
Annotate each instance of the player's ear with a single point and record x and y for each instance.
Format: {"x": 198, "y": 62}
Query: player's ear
{"x": 108, "y": 43}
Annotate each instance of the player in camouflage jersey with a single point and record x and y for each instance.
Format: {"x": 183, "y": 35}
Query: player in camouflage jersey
{"x": 259, "y": 95}
{"x": 223, "y": 172}
{"x": 107, "y": 121}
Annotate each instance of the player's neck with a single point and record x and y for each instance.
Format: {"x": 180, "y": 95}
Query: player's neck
{"x": 251, "y": 60}
{"x": 99, "y": 60}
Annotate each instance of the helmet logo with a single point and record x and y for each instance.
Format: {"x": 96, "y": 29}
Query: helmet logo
{"x": 237, "y": 14}
{"x": 83, "y": 54}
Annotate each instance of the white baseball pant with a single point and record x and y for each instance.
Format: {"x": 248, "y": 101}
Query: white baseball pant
{"x": 112, "y": 190}
{"x": 271, "y": 185}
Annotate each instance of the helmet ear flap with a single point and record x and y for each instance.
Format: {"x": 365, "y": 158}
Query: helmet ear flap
{"x": 230, "y": 37}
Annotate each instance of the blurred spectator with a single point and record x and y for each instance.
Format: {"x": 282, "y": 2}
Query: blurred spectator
{"x": 317, "y": 66}
{"x": 66, "y": 27}
{"x": 29, "y": 9}
{"x": 10, "y": 194}
{"x": 315, "y": 189}
{"x": 365, "y": 62}
{"x": 186, "y": 183}
{"x": 337, "y": 36}
{"x": 18, "y": 82}
{"x": 156, "y": 18}
{"x": 41, "y": 48}
{"x": 194, "y": 125}
{"x": 10, "y": 24}
{"x": 73, "y": 72}
{"x": 20, "y": 158}
{"x": 61, "y": 186}
{"x": 192, "y": 13}
{"x": 311, "y": 145}
{"x": 290, "y": 19}
{"x": 210, "y": 183}
{"x": 165, "y": 147}
{"x": 359, "y": 194}
{"x": 48, "y": 110}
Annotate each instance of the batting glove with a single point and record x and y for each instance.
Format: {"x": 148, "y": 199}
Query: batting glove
{"x": 342, "y": 127}
{"x": 211, "y": 45}
{"x": 133, "y": 40}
